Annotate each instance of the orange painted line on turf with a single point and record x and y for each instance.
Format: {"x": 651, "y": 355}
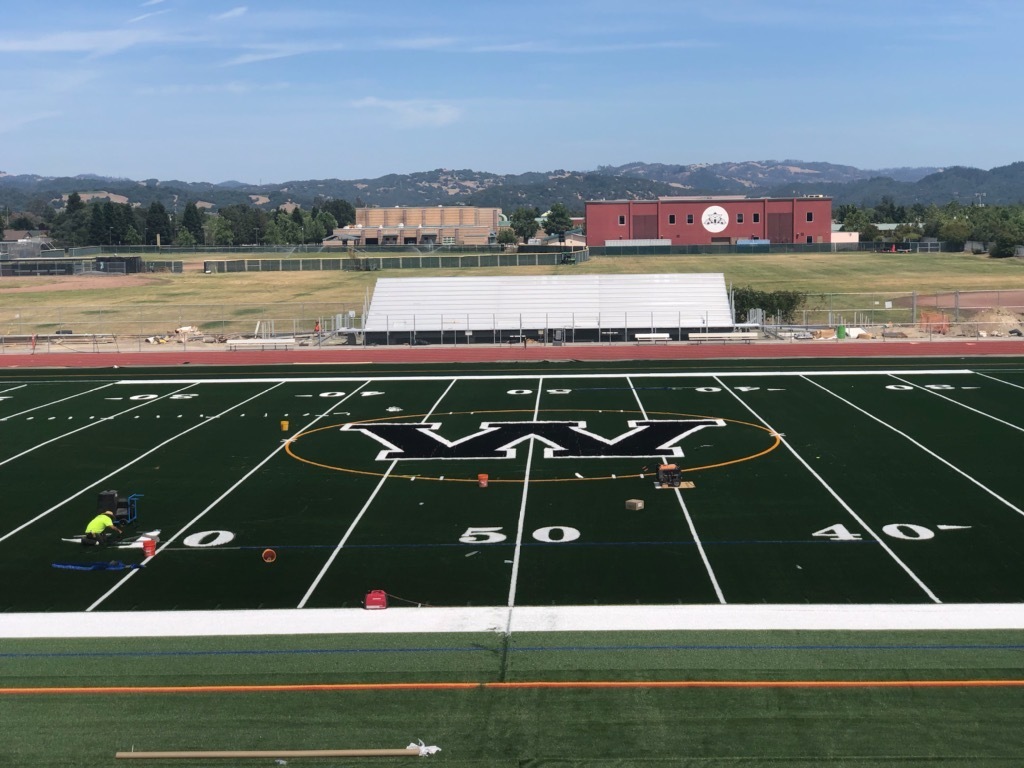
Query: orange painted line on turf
{"x": 765, "y": 684}
{"x": 565, "y": 684}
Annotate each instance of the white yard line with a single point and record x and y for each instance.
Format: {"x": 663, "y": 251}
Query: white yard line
{"x": 924, "y": 448}
{"x": 92, "y": 424}
{"x": 366, "y": 506}
{"x": 832, "y": 492}
{"x": 686, "y": 513}
{"x": 1001, "y": 381}
{"x": 141, "y": 456}
{"x": 62, "y": 400}
{"x": 956, "y": 402}
{"x": 521, "y": 524}
{"x": 165, "y": 543}
{"x": 11, "y": 389}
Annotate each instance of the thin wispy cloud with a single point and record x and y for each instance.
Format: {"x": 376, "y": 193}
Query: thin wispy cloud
{"x": 412, "y": 113}
{"x": 235, "y": 87}
{"x": 558, "y": 47}
{"x": 148, "y": 15}
{"x": 10, "y": 122}
{"x": 97, "y": 43}
{"x": 151, "y": 2}
{"x": 271, "y": 52}
{"x": 234, "y": 13}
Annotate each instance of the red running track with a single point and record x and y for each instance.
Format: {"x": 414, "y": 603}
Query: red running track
{"x": 816, "y": 350}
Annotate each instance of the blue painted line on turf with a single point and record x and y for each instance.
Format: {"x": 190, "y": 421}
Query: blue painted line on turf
{"x": 751, "y": 542}
{"x": 522, "y": 649}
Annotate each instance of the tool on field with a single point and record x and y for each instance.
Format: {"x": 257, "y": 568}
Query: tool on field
{"x": 125, "y": 508}
{"x": 669, "y": 475}
{"x": 416, "y": 749}
{"x": 269, "y": 555}
{"x": 376, "y": 599}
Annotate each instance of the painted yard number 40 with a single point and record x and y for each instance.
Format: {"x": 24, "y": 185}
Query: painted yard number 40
{"x": 905, "y": 531}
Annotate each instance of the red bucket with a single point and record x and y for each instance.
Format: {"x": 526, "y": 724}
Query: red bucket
{"x": 149, "y": 547}
{"x": 482, "y": 480}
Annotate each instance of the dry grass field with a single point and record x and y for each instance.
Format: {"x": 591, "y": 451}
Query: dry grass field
{"x": 149, "y": 303}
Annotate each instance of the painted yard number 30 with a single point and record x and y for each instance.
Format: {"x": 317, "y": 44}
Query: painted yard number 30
{"x": 553, "y": 534}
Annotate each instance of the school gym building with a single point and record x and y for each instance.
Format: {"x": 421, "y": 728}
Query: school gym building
{"x": 709, "y": 220}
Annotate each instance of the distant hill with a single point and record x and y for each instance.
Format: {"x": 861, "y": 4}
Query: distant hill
{"x": 634, "y": 181}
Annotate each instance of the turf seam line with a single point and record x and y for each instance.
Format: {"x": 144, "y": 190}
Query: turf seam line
{"x": 527, "y": 684}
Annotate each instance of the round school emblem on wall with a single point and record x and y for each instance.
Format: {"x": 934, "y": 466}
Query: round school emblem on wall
{"x": 715, "y": 218}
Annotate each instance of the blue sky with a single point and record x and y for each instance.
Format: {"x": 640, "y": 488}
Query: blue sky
{"x": 258, "y": 91}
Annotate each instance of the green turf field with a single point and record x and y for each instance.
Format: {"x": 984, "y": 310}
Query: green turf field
{"x": 886, "y": 490}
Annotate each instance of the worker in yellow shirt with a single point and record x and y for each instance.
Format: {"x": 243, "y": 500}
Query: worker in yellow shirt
{"x": 101, "y": 529}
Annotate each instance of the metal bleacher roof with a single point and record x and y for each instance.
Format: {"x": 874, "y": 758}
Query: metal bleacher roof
{"x": 549, "y": 301}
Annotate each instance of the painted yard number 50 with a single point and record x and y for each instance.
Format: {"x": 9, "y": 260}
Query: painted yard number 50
{"x": 553, "y": 534}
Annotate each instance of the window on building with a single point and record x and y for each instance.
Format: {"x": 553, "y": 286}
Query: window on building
{"x": 757, "y": 217}
{"x": 671, "y": 218}
{"x": 810, "y": 239}
{"x": 689, "y": 218}
{"x": 447, "y": 241}
{"x": 810, "y": 215}
{"x": 739, "y": 218}
{"x": 622, "y": 221}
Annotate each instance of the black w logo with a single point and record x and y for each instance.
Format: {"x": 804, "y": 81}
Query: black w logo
{"x": 562, "y": 439}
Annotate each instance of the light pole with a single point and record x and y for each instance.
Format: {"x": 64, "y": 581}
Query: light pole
{"x": 110, "y": 236}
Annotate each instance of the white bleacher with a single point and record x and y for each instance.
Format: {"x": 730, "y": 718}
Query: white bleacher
{"x": 549, "y": 301}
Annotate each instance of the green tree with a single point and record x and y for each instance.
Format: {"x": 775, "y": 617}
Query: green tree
{"x": 558, "y": 220}
{"x": 955, "y": 233}
{"x": 506, "y": 236}
{"x": 218, "y": 231}
{"x": 781, "y": 304}
{"x": 858, "y": 220}
{"x": 192, "y": 222}
{"x": 75, "y": 204}
{"x": 523, "y": 221}
{"x": 131, "y": 236}
{"x": 185, "y": 239}
{"x": 341, "y": 210}
{"x": 101, "y": 229}
{"x": 158, "y": 222}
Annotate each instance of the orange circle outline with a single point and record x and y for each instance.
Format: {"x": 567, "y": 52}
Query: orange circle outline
{"x": 295, "y": 438}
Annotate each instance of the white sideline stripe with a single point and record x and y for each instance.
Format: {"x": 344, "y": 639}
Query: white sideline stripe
{"x": 686, "y": 512}
{"x": 92, "y": 424}
{"x": 949, "y": 399}
{"x": 927, "y": 450}
{"x": 11, "y": 389}
{"x": 63, "y": 399}
{"x": 527, "y": 377}
{"x": 380, "y": 484}
{"x": 521, "y": 525}
{"x": 578, "y": 618}
{"x": 832, "y": 492}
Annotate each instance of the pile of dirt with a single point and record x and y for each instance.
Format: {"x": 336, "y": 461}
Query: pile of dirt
{"x": 995, "y": 321}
